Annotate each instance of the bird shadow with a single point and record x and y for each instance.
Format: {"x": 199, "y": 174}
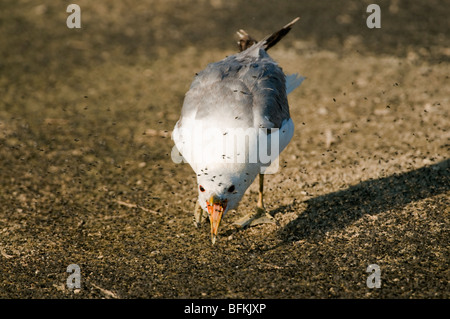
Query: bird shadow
{"x": 338, "y": 209}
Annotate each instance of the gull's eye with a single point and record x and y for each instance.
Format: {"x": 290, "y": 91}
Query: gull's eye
{"x": 201, "y": 188}
{"x": 231, "y": 188}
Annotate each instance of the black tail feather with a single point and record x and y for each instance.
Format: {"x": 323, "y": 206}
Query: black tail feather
{"x": 247, "y": 41}
{"x": 277, "y": 36}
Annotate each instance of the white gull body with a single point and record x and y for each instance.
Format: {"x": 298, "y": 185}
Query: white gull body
{"x": 233, "y": 109}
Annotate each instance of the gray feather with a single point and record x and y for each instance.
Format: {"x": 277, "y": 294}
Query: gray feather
{"x": 248, "y": 85}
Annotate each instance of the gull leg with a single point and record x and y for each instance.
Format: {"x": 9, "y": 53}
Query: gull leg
{"x": 199, "y": 215}
{"x": 260, "y": 216}
{"x": 260, "y": 204}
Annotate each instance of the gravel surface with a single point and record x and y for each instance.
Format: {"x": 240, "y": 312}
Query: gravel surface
{"x": 86, "y": 175}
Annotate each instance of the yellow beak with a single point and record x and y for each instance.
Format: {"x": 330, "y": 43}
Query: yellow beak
{"x": 216, "y": 207}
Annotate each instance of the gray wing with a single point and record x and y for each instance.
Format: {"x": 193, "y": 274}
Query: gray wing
{"x": 244, "y": 90}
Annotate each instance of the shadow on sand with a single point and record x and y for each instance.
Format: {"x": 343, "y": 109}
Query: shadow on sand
{"x": 338, "y": 209}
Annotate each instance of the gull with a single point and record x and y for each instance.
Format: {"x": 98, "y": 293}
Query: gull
{"x": 235, "y": 111}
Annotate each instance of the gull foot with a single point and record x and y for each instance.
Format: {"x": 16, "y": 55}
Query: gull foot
{"x": 256, "y": 218}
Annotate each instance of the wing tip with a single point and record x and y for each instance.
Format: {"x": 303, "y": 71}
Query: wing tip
{"x": 293, "y": 81}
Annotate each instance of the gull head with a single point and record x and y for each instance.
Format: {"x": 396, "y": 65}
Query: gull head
{"x": 220, "y": 189}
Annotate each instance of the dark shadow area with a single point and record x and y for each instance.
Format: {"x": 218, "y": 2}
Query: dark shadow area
{"x": 338, "y": 209}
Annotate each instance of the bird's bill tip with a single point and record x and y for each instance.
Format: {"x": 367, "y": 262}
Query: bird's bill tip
{"x": 213, "y": 239}
{"x": 215, "y": 215}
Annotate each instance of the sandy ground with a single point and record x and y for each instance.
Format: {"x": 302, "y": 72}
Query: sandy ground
{"x": 86, "y": 175}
